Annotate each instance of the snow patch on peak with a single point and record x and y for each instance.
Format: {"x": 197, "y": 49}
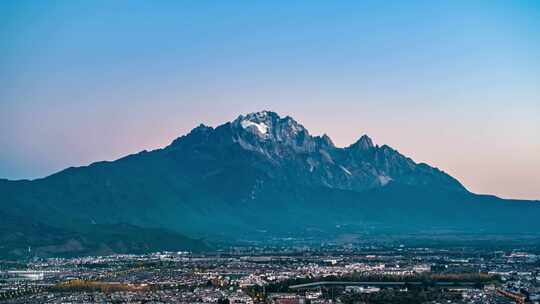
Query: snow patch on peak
{"x": 261, "y": 126}
{"x": 346, "y": 171}
{"x": 383, "y": 179}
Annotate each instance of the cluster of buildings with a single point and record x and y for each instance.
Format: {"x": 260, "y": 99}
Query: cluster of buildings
{"x": 233, "y": 276}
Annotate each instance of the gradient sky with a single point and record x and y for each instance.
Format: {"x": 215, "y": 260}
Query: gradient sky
{"x": 455, "y": 84}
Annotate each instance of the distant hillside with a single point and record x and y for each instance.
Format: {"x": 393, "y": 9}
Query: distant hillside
{"x": 24, "y": 238}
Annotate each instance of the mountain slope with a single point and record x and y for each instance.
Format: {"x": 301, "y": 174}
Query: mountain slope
{"x": 262, "y": 172}
{"x": 21, "y": 237}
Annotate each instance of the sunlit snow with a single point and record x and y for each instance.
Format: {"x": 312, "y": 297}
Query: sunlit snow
{"x": 261, "y": 127}
{"x": 345, "y": 170}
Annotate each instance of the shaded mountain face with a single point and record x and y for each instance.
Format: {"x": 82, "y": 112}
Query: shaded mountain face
{"x": 259, "y": 175}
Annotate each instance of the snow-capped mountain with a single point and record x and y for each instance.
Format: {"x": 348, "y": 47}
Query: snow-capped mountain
{"x": 257, "y": 176}
{"x": 291, "y": 152}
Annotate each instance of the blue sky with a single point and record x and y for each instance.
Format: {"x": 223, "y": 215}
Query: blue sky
{"x": 451, "y": 83}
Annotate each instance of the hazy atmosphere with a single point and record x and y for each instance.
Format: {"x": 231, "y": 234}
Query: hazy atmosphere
{"x": 455, "y": 84}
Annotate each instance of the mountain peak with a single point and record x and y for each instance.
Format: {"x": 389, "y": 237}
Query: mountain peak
{"x": 269, "y": 125}
{"x": 261, "y": 116}
{"x": 257, "y": 123}
{"x": 363, "y": 143}
{"x": 202, "y": 128}
{"x": 270, "y": 134}
{"x": 327, "y": 141}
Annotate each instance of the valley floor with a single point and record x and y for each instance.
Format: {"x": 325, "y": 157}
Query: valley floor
{"x": 281, "y": 274}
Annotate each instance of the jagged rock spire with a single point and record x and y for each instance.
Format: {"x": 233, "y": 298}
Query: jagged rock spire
{"x": 363, "y": 143}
